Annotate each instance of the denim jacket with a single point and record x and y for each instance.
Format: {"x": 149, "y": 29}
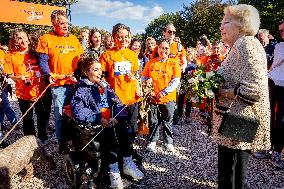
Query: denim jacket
{"x": 88, "y": 101}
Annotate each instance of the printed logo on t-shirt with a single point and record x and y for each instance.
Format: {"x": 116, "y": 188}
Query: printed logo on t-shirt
{"x": 122, "y": 68}
{"x": 104, "y": 102}
{"x": 66, "y": 49}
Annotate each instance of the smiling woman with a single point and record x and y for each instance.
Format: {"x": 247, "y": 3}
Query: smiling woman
{"x": 120, "y": 65}
{"x": 93, "y": 104}
{"x": 22, "y": 67}
{"x": 163, "y": 73}
{"x": 245, "y": 94}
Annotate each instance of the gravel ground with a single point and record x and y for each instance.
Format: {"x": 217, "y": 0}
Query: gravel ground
{"x": 192, "y": 165}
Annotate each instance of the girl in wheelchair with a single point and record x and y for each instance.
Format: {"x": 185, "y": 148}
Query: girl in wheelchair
{"x": 94, "y": 103}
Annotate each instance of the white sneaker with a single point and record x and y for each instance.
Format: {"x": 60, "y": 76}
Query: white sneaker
{"x": 152, "y": 147}
{"x": 170, "y": 147}
{"x": 277, "y": 160}
{"x": 114, "y": 176}
{"x": 130, "y": 168}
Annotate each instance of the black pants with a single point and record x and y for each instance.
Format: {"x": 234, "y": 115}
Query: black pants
{"x": 113, "y": 142}
{"x": 132, "y": 111}
{"x": 180, "y": 105}
{"x": 232, "y": 167}
{"x": 42, "y": 109}
{"x": 181, "y": 94}
{"x": 278, "y": 129}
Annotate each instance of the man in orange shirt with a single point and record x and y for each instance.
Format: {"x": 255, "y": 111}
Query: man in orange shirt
{"x": 177, "y": 51}
{"x": 59, "y": 53}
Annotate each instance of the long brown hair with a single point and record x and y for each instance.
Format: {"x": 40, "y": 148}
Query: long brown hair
{"x": 13, "y": 41}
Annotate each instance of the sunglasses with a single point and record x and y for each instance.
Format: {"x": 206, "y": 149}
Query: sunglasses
{"x": 164, "y": 48}
{"x": 171, "y": 32}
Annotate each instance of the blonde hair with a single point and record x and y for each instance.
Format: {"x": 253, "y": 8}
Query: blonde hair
{"x": 14, "y": 39}
{"x": 247, "y": 16}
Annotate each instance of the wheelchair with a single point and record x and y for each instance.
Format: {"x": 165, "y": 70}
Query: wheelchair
{"x": 82, "y": 162}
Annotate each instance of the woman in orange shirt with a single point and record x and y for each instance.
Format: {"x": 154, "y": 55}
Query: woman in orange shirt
{"x": 21, "y": 66}
{"x": 164, "y": 73}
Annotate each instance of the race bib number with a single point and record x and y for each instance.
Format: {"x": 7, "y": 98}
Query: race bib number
{"x": 122, "y": 68}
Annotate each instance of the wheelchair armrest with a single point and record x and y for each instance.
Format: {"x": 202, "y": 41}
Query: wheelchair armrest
{"x": 88, "y": 129}
{"x": 89, "y": 126}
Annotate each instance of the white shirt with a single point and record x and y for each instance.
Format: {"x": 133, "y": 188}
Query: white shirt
{"x": 277, "y": 71}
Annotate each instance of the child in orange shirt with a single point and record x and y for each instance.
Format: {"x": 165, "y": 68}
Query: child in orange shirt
{"x": 164, "y": 73}
{"x": 21, "y": 66}
{"x": 121, "y": 69}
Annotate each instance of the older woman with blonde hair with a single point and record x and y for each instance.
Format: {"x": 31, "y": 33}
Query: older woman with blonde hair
{"x": 245, "y": 95}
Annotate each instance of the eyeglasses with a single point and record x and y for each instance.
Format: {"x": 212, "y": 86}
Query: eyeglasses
{"x": 280, "y": 31}
{"x": 171, "y": 32}
{"x": 164, "y": 48}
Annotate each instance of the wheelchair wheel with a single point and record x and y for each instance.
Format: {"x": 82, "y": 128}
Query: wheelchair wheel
{"x": 71, "y": 167}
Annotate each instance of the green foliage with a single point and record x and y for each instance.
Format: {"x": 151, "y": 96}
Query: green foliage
{"x": 202, "y": 17}
{"x": 7, "y": 28}
{"x": 195, "y": 19}
{"x": 271, "y": 12}
{"x": 75, "y": 30}
{"x": 156, "y": 27}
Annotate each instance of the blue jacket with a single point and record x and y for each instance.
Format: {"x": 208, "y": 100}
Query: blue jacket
{"x": 87, "y": 102}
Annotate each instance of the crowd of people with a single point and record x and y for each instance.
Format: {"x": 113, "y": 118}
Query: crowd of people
{"x": 102, "y": 78}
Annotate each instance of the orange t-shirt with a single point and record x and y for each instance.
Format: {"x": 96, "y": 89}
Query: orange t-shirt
{"x": 202, "y": 60}
{"x": 162, "y": 73}
{"x": 174, "y": 51}
{"x": 19, "y": 64}
{"x": 64, "y": 53}
{"x": 121, "y": 66}
{"x": 2, "y": 58}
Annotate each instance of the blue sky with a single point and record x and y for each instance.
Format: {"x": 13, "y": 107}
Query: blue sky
{"x": 103, "y": 14}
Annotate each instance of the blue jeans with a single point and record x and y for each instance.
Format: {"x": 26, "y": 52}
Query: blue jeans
{"x": 61, "y": 95}
{"x": 5, "y": 109}
{"x": 162, "y": 114}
